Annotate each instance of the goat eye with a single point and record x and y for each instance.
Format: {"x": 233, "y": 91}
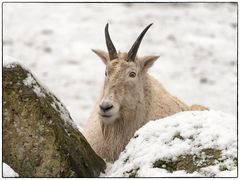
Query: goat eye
{"x": 105, "y": 73}
{"x": 132, "y": 74}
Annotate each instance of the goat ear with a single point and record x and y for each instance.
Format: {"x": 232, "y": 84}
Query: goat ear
{"x": 148, "y": 61}
{"x": 102, "y": 54}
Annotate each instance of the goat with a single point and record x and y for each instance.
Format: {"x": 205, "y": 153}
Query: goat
{"x": 129, "y": 99}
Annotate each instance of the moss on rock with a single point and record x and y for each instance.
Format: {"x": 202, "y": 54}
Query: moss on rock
{"x": 189, "y": 162}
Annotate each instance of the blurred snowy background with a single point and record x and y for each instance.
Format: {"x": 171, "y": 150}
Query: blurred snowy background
{"x": 197, "y": 44}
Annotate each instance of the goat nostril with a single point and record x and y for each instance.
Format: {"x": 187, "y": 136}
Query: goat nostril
{"x": 109, "y": 107}
{"x": 105, "y": 107}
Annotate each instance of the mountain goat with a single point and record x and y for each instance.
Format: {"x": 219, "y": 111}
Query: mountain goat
{"x": 129, "y": 99}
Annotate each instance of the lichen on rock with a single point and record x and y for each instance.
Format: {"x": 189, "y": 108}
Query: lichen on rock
{"x": 190, "y": 162}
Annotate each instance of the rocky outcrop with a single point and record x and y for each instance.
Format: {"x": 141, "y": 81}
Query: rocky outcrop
{"x": 39, "y": 136}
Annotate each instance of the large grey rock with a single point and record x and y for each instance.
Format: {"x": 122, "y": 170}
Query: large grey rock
{"x": 39, "y": 137}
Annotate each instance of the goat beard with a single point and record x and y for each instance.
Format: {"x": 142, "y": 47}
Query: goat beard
{"x": 124, "y": 126}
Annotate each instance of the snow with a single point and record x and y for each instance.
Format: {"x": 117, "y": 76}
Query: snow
{"x": 30, "y": 82}
{"x": 159, "y": 140}
{"x": 9, "y": 61}
{"x": 197, "y": 44}
{"x": 8, "y": 171}
{"x": 64, "y": 114}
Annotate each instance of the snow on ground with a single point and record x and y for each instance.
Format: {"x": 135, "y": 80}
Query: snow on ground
{"x": 197, "y": 44}
{"x": 8, "y": 171}
{"x": 186, "y": 133}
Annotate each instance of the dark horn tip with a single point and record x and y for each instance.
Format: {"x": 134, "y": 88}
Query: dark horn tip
{"x": 149, "y": 26}
{"x": 111, "y": 49}
{"x": 133, "y": 51}
{"x": 106, "y": 27}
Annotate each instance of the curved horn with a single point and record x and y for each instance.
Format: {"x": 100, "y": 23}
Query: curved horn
{"x": 111, "y": 49}
{"x": 133, "y": 51}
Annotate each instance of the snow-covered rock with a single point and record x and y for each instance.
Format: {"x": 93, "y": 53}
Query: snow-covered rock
{"x": 194, "y": 143}
{"x": 8, "y": 171}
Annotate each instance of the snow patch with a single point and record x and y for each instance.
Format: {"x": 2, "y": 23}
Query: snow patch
{"x": 30, "y": 82}
{"x": 59, "y": 107}
{"x": 8, "y": 171}
{"x": 185, "y": 133}
{"x": 9, "y": 61}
